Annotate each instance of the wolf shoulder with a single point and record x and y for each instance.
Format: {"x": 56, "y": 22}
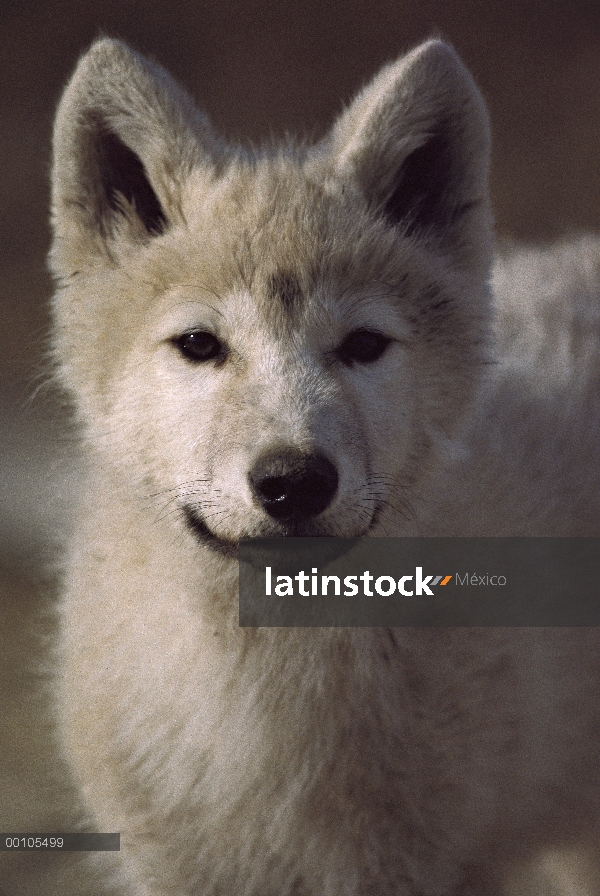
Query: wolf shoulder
{"x": 528, "y": 460}
{"x": 547, "y": 325}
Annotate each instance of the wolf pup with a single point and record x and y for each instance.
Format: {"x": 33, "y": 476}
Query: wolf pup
{"x": 305, "y": 342}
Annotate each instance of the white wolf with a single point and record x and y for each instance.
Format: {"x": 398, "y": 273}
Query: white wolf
{"x": 304, "y": 342}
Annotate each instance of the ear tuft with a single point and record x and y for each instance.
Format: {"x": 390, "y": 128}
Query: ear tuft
{"x": 416, "y": 200}
{"x": 123, "y": 178}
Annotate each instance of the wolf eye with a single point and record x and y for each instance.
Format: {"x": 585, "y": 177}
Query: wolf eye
{"x": 363, "y": 346}
{"x": 199, "y": 346}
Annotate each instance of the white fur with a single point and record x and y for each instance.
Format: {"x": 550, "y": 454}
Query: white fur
{"x": 329, "y": 762}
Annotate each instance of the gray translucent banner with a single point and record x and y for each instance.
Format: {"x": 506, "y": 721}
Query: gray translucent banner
{"x": 44, "y": 842}
{"x": 420, "y": 582}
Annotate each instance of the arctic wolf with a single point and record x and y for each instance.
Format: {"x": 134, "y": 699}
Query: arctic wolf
{"x": 305, "y": 342}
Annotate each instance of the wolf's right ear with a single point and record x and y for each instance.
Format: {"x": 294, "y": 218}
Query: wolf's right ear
{"x": 416, "y": 142}
{"x": 126, "y": 138}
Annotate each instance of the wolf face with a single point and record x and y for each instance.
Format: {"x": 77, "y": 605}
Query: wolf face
{"x": 276, "y": 342}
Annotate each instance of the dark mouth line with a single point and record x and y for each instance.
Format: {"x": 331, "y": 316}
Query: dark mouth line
{"x": 229, "y": 548}
{"x": 223, "y": 546}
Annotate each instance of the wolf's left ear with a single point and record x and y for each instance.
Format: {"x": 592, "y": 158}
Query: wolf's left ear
{"x": 416, "y": 141}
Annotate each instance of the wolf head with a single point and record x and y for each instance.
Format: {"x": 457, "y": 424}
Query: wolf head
{"x": 277, "y": 341}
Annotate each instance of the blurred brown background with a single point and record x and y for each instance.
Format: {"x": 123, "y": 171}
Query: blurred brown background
{"x": 264, "y": 68}
{"x": 260, "y": 68}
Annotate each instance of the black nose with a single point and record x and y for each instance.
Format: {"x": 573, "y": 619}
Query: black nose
{"x": 293, "y": 485}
